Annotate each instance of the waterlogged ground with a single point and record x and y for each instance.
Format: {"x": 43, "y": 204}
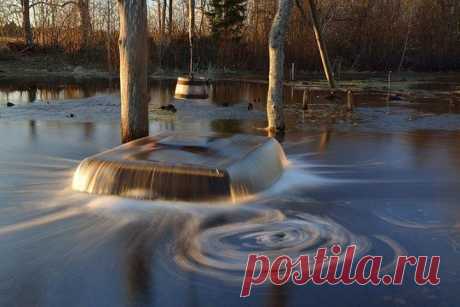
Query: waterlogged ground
{"x": 388, "y": 185}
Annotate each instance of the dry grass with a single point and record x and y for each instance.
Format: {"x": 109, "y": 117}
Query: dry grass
{"x": 4, "y": 40}
{"x": 5, "y": 51}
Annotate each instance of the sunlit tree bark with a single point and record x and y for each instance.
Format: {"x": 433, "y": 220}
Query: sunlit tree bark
{"x": 276, "y": 75}
{"x": 133, "y": 69}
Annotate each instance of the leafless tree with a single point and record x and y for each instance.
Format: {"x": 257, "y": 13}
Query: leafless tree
{"x": 276, "y": 75}
{"x": 133, "y": 69}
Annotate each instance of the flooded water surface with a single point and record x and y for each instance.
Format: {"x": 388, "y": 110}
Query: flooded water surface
{"x": 390, "y": 194}
{"x": 161, "y": 91}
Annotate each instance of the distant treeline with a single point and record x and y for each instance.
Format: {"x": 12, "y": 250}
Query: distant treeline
{"x": 233, "y": 34}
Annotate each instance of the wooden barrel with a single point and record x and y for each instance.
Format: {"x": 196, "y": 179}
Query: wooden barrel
{"x": 191, "y": 88}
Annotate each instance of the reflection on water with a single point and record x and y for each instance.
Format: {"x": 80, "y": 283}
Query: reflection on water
{"x": 161, "y": 92}
{"x": 45, "y": 92}
{"x": 391, "y": 194}
{"x": 423, "y": 100}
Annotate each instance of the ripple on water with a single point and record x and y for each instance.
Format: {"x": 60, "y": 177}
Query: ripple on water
{"x": 218, "y": 246}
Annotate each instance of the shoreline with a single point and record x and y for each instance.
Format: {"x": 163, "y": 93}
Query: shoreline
{"x": 411, "y": 86}
{"x": 365, "y": 119}
{"x": 41, "y": 69}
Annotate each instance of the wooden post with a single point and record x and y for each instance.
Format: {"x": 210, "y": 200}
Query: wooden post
{"x": 133, "y": 69}
{"x": 389, "y": 92}
{"x": 321, "y": 45}
{"x": 350, "y": 101}
{"x": 389, "y": 85}
{"x": 307, "y": 97}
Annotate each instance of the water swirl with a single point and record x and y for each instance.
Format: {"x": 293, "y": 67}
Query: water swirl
{"x": 219, "y": 247}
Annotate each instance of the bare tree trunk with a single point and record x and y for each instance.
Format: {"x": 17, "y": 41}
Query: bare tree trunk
{"x": 276, "y": 75}
{"x": 162, "y": 29}
{"x": 191, "y": 32}
{"x": 203, "y": 16}
{"x": 160, "y": 26}
{"x": 160, "y": 38}
{"x": 109, "y": 31}
{"x": 321, "y": 45}
{"x": 319, "y": 40}
{"x": 28, "y": 36}
{"x": 163, "y": 17}
{"x": 406, "y": 41}
{"x": 170, "y": 18}
{"x": 85, "y": 21}
{"x": 133, "y": 69}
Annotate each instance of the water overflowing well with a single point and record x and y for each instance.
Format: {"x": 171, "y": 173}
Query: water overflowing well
{"x": 184, "y": 167}
{"x": 387, "y": 191}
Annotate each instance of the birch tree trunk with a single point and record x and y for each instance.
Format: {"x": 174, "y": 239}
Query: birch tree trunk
{"x": 28, "y": 36}
{"x": 85, "y": 21}
{"x": 406, "y": 41}
{"x": 191, "y": 31}
{"x": 277, "y": 39}
{"x": 133, "y": 69}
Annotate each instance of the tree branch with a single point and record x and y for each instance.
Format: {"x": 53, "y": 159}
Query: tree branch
{"x": 50, "y": 4}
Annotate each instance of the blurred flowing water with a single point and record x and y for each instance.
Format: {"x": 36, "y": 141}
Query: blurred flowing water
{"x": 390, "y": 194}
